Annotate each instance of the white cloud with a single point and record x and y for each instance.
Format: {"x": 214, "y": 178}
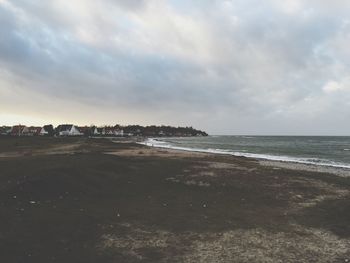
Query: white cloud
{"x": 335, "y": 86}
{"x": 290, "y": 6}
{"x": 332, "y": 86}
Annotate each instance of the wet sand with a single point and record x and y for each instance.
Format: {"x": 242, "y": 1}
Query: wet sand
{"x": 93, "y": 200}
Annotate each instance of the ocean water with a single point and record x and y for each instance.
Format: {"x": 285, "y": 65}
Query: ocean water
{"x": 316, "y": 150}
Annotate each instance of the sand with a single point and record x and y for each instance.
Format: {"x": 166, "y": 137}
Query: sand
{"x": 93, "y": 200}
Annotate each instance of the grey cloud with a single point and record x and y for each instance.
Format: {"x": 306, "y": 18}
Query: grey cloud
{"x": 242, "y": 67}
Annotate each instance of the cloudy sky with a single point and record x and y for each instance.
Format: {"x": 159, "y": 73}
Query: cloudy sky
{"x": 228, "y": 67}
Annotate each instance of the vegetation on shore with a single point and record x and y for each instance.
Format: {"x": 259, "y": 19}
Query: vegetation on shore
{"x": 117, "y": 130}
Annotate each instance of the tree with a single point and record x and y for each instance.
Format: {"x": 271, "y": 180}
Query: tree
{"x": 49, "y": 129}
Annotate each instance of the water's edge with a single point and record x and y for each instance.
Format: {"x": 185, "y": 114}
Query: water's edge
{"x": 264, "y": 158}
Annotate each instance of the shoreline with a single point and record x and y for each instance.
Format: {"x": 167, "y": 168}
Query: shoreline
{"x": 343, "y": 171}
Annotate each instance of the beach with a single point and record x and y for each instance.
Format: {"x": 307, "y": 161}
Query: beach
{"x": 98, "y": 200}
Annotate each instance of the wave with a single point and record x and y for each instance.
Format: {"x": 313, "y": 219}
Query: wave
{"x": 310, "y": 161}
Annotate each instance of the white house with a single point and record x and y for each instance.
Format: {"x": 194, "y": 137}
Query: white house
{"x": 118, "y": 132}
{"x": 68, "y": 130}
{"x": 109, "y": 131}
{"x": 43, "y": 132}
{"x": 96, "y": 132}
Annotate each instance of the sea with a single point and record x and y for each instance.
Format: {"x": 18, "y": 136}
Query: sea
{"x": 314, "y": 150}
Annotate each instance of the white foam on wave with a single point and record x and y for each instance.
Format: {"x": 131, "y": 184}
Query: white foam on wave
{"x": 312, "y": 161}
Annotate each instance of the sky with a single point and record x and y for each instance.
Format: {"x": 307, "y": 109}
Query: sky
{"x": 227, "y": 67}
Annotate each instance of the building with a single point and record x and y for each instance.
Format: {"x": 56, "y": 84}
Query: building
{"x": 5, "y": 130}
{"x": 68, "y": 130}
{"x": 96, "y": 131}
{"x": 19, "y": 130}
{"x": 85, "y": 130}
{"x": 47, "y": 130}
{"x": 118, "y": 132}
{"x": 43, "y": 132}
{"x": 33, "y": 131}
{"x": 109, "y": 131}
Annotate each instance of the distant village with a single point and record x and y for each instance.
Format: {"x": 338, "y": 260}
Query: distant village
{"x": 105, "y": 131}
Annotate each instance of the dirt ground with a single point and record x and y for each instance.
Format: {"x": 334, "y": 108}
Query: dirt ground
{"x": 93, "y": 200}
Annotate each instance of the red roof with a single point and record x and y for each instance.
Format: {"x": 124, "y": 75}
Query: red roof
{"x": 34, "y": 130}
{"x": 84, "y": 129}
{"x": 17, "y": 129}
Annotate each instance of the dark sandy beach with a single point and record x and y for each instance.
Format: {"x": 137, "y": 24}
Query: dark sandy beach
{"x": 93, "y": 200}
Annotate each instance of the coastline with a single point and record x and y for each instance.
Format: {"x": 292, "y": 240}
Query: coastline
{"x": 94, "y": 200}
{"x": 307, "y": 167}
{"x": 273, "y": 161}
